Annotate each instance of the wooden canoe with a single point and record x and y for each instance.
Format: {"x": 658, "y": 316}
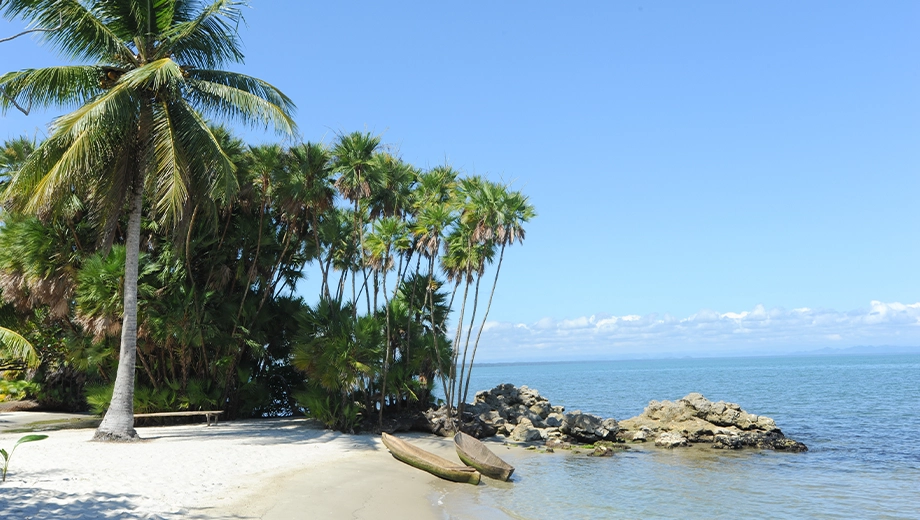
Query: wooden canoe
{"x": 474, "y": 453}
{"x": 425, "y": 460}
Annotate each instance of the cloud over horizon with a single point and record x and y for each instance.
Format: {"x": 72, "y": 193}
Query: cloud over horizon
{"x": 707, "y": 332}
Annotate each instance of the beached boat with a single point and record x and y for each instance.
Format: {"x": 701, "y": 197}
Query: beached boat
{"x": 425, "y": 460}
{"x": 474, "y": 453}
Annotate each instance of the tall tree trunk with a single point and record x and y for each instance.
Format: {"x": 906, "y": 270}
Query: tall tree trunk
{"x": 118, "y": 423}
{"x": 457, "y": 337}
{"x": 466, "y": 346}
{"x": 435, "y": 327}
{"x": 386, "y": 361}
{"x": 319, "y": 256}
{"x": 498, "y": 269}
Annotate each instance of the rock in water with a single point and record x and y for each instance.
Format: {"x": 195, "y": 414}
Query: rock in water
{"x": 696, "y": 419}
{"x": 671, "y": 440}
{"x": 589, "y": 428}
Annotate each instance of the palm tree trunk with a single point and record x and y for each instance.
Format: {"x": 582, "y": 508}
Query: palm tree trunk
{"x": 319, "y": 256}
{"x": 498, "y": 269}
{"x": 435, "y": 327}
{"x": 457, "y": 337}
{"x": 118, "y": 423}
{"x": 466, "y": 346}
{"x": 386, "y": 361}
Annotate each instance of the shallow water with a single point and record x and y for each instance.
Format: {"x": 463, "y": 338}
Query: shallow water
{"x": 859, "y": 416}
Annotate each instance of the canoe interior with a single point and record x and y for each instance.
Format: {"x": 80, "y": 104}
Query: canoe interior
{"x": 427, "y": 461}
{"x": 474, "y": 453}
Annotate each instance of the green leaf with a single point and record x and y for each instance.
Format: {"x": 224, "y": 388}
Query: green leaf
{"x": 31, "y": 438}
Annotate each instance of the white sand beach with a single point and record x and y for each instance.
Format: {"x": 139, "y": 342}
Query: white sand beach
{"x": 265, "y": 469}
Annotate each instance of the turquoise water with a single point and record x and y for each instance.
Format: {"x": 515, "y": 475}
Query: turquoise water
{"x": 859, "y": 416}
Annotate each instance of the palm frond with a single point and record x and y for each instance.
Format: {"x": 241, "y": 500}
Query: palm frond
{"x": 65, "y": 86}
{"x": 203, "y": 147}
{"x": 115, "y": 106}
{"x": 243, "y": 98}
{"x": 15, "y": 347}
{"x": 154, "y": 76}
{"x": 171, "y": 166}
{"x": 210, "y": 39}
{"x": 84, "y": 33}
{"x": 136, "y": 17}
{"x": 82, "y": 141}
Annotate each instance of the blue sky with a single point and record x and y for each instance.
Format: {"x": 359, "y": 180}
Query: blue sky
{"x": 687, "y": 160}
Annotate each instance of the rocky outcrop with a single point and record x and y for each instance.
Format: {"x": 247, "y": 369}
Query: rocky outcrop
{"x": 695, "y": 419}
{"x": 589, "y": 428}
{"x": 523, "y": 415}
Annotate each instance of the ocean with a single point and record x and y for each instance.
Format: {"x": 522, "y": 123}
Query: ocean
{"x": 858, "y": 415}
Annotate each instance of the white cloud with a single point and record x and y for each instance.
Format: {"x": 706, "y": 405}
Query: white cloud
{"x": 755, "y": 331}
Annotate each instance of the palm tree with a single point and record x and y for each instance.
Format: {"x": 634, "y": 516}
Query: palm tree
{"x": 504, "y": 220}
{"x": 389, "y": 235}
{"x": 307, "y": 192}
{"x": 433, "y": 216}
{"x": 140, "y": 126}
{"x": 464, "y": 261}
{"x": 354, "y": 162}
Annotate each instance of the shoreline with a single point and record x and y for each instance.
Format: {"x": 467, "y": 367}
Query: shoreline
{"x": 264, "y": 468}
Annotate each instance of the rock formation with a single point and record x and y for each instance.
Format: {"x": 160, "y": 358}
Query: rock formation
{"x": 523, "y": 415}
{"x": 695, "y": 419}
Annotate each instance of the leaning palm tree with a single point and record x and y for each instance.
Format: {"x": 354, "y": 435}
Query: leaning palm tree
{"x": 504, "y": 221}
{"x": 139, "y": 128}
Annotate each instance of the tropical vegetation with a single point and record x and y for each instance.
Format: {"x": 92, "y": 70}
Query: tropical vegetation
{"x": 153, "y": 261}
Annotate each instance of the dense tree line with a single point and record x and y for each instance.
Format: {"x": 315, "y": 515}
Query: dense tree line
{"x": 149, "y": 260}
{"x": 220, "y": 323}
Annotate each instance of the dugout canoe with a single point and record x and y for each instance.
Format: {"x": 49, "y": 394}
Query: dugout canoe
{"x": 425, "y": 460}
{"x": 474, "y": 453}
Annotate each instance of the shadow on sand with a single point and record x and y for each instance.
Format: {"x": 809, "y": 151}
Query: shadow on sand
{"x": 39, "y": 504}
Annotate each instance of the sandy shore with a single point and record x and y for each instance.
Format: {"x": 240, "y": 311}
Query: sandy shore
{"x": 264, "y": 469}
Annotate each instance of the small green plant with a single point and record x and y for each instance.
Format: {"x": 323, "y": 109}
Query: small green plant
{"x": 6, "y": 456}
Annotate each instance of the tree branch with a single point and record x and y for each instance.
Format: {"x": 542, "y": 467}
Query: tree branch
{"x": 26, "y": 110}
{"x": 23, "y": 33}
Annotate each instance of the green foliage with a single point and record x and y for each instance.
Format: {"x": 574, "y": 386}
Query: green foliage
{"x": 198, "y": 395}
{"x": 217, "y": 327}
{"x": 15, "y": 348}
{"x": 98, "y": 398}
{"x": 7, "y": 456}
{"x": 18, "y": 390}
{"x": 330, "y": 409}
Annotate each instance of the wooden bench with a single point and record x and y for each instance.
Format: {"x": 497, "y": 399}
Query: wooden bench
{"x": 208, "y": 414}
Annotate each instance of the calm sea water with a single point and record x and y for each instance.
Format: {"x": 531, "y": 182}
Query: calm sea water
{"x": 859, "y": 416}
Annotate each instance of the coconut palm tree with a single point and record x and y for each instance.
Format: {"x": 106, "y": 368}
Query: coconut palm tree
{"x": 139, "y": 128}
